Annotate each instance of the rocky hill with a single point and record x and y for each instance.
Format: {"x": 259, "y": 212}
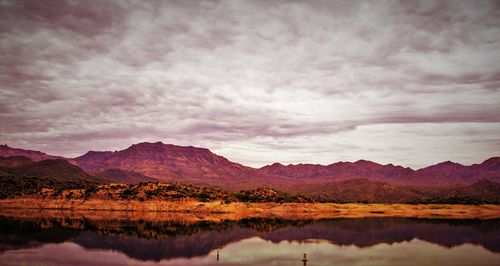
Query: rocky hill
{"x": 168, "y": 162}
{"x": 342, "y": 181}
{"x": 6, "y": 151}
{"x": 19, "y": 175}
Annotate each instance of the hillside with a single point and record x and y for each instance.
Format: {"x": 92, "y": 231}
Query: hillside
{"x": 364, "y": 190}
{"x": 19, "y": 175}
{"x": 442, "y": 174}
{"x": 14, "y": 161}
{"x": 172, "y": 192}
{"x": 452, "y": 173}
{"x": 192, "y": 165}
{"x": 6, "y": 151}
{"x": 168, "y": 162}
{"x": 200, "y": 166}
{"x": 115, "y": 175}
{"x": 351, "y": 191}
{"x": 340, "y": 171}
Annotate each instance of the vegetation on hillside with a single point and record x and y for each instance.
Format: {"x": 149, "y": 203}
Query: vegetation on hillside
{"x": 170, "y": 191}
{"x": 19, "y": 175}
{"x": 59, "y": 178}
{"x": 466, "y": 200}
{"x": 145, "y": 191}
{"x": 16, "y": 185}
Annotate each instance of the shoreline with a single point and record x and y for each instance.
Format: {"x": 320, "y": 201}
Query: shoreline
{"x": 241, "y": 210}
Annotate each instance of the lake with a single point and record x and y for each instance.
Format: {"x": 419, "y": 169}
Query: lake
{"x": 254, "y": 241}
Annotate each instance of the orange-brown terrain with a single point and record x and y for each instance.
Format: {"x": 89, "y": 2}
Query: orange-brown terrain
{"x": 204, "y": 201}
{"x": 167, "y": 178}
{"x": 219, "y": 210}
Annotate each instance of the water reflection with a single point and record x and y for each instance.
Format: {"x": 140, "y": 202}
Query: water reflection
{"x": 253, "y": 241}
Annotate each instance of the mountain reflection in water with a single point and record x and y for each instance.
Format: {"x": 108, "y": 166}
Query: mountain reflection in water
{"x": 250, "y": 241}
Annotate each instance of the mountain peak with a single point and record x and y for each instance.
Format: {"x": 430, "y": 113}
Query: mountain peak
{"x": 448, "y": 163}
{"x": 164, "y": 161}
{"x": 161, "y": 145}
{"x": 366, "y": 163}
{"x": 491, "y": 164}
{"x": 446, "y": 168}
{"x": 492, "y": 160}
{"x": 276, "y": 165}
{"x": 146, "y": 143}
{"x": 445, "y": 164}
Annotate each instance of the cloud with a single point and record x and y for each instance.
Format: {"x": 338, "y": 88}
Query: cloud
{"x": 248, "y": 74}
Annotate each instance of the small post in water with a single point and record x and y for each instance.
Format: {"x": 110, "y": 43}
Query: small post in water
{"x": 304, "y": 260}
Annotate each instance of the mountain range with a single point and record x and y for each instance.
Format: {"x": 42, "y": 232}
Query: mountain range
{"x": 192, "y": 165}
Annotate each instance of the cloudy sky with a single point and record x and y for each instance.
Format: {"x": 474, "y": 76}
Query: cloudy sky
{"x": 410, "y": 82}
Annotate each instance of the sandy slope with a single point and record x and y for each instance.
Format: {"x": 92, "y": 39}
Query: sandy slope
{"x": 238, "y": 210}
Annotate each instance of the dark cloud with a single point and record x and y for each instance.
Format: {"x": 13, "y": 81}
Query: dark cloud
{"x": 257, "y": 81}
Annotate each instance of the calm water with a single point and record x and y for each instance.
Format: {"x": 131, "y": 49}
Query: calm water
{"x": 369, "y": 241}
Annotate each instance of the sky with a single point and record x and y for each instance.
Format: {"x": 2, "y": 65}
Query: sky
{"x": 412, "y": 83}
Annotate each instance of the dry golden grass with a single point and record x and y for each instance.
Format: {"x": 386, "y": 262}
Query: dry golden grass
{"x": 191, "y": 209}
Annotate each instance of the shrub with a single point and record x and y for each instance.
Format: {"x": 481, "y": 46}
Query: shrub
{"x": 129, "y": 193}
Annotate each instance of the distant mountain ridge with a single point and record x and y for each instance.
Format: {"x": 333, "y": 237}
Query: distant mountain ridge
{"x": 340, "y": 171}
{"x": 442, "y": 174}
{"x": 187, "y": 164}
{"x": 7, "y": 151}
